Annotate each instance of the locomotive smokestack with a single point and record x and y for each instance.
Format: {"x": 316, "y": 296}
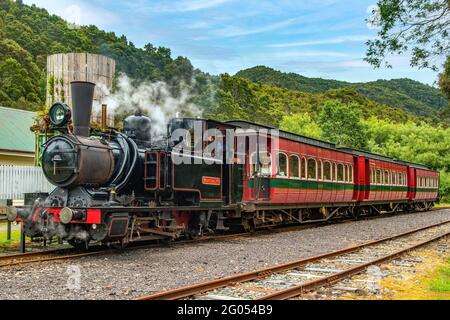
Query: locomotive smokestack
{"x": 82, "y": 99}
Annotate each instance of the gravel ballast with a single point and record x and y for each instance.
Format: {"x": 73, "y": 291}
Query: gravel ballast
{"x": 135, "y": 273}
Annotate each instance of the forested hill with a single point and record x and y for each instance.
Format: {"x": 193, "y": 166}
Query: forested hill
{"x": 413, "y": 96}
{"x": 28, "y": 34}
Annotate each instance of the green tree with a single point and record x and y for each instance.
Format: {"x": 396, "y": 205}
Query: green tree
{"x": 342, "y": 125}
{"x": 418, "y": 26}
{"x": 444, "y": 78}
{"x": 301, "y": 124}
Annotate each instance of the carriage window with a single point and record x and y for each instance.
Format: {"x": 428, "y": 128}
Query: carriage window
{"x": 400, "y": 180}
{"x": 394, "y": 178}
{"x": 319, "y": 170}
{"x": 386, "y": 177}
{"x": 340, "y": 172}
{"x": 294, "y": 166}
{"x": 350, "y": 173}
{"x": 378, "y": 181}
{"x": 372, "y": 176}
{"x": 312, "y": 169}
{"x": 327, "y": 170}
{"x": 282, "y": 165}
{"x": 265, "y": 164}
{"x": 303, "y": 168}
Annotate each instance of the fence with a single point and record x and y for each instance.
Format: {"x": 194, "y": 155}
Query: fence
{"x": 15, "y": 181}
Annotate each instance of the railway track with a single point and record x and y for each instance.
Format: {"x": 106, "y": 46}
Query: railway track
{"x": 292, "y": 279}
{"x": 70, "y": 253}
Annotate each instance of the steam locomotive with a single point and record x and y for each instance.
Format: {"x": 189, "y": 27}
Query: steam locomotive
{"x": 119, "y": 187}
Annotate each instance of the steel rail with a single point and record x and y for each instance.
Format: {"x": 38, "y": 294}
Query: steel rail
{"x": 188, "y": 291}
{"x": 339, "y": 276}
{"x": 43, "y": 256}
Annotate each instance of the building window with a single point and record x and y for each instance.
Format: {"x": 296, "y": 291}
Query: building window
{"x": 327, "y": 174}
{"x": 282, "y": 165}
{"x": 312, "y": 169}
{"x": 294, "y": 166}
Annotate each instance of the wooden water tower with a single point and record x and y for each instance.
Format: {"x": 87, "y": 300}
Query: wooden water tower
{"x": 62, "y": 69}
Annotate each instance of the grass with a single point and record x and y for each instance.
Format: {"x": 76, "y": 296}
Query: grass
{"x": 441, "y": 281}
{"x": 15, "y": 237}
{"x": 442, "y": 205}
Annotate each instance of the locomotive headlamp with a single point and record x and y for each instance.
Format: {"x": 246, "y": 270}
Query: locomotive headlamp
{"x": 65, "y": 215}
{"x": 60, "y": 115}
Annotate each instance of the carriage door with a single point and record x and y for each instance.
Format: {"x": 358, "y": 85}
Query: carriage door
{"x": 233, "y": 176}
{"x": 367, "y": 184}
{"x": 412, "y": 183}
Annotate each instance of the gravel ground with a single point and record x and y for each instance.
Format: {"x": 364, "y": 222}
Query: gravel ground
{"x": 139, "y": 272}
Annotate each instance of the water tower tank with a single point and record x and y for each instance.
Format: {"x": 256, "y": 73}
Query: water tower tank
{"x": 62, "y": 69}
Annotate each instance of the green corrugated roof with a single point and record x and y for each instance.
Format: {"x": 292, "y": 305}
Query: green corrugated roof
{"x": 15, "y": 131}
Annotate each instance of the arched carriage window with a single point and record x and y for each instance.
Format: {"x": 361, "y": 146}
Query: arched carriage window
{"x": 400, "y": 179}
{"x": 282, "y": 165}
{"x": 340, "y": 172}
{"x": 265, "y": 164}
{"x": 393, "y": 178}
{"x": 327, "y": 174}
{"x": 303, "y": 167}
{"x": 319, "y": 170}
{"x": 350, "y": 173}
{"x": 386, "y": 177}
{"x": 378, "y": 178}
{"x": 312, "y": 174}
{"x": 294, "y": 166}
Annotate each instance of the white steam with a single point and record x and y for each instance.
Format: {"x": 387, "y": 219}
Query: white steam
{"x": 153, "y": 99}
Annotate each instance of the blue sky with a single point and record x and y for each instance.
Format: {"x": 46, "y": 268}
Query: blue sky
{"x": 316, "y": 38}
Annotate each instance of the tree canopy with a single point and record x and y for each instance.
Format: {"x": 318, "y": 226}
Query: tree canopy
{"x": 419, "y": 27}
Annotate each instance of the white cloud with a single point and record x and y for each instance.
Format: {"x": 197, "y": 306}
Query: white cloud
{"x": 187, "y": 5}
{"x": 78, "y": 12}
{"x": 335, "y": 40}
{"x": 237, "y": 31}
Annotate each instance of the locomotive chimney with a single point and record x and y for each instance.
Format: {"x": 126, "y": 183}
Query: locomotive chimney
{"x": 82, "y": 99}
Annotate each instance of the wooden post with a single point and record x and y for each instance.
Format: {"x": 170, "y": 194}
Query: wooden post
{"x": 8, "y": 231}
{"x": 22, "y": 238}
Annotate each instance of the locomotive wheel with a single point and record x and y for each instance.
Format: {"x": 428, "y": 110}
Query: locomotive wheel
{"x": 79, "y": 244}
